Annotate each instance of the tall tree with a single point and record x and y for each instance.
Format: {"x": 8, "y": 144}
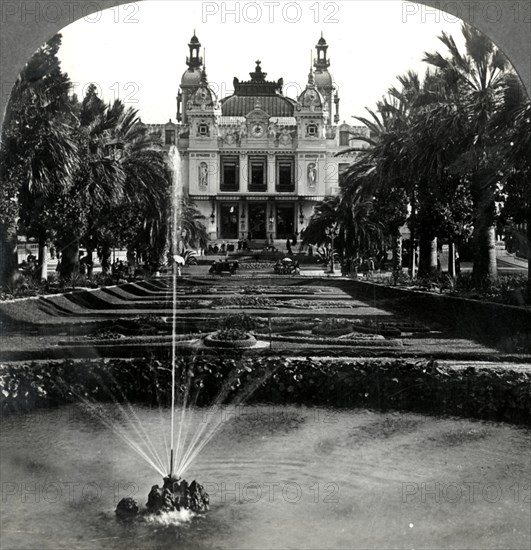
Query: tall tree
{"x": 474, "y": 83}
{"x": 37, "y": 152}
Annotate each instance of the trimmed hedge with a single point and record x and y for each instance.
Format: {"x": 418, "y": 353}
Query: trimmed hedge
{"x": 424, "y": 386}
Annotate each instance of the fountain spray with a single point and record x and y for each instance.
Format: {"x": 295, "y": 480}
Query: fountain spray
{"x": 176, "y": 180}
{"x": 176, "y": 493}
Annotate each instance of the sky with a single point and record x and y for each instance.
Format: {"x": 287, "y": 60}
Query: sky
{"x": 138, "y": 51}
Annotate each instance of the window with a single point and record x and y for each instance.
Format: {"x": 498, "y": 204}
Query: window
{"x": 170, "y": 137}
{"x": 344, "y": 137}
{"x": 202, "y": 129}
{"x": 285, "y": 174}
{"x": 311, "y": 130}
{"x": 230, "y": 174}
{"x": 257, "y": 174}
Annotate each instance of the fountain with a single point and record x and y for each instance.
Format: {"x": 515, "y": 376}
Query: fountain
{"x": 176, "y": 494}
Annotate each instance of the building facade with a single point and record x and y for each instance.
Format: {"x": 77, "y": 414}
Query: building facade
{"x": 257, "y": 162}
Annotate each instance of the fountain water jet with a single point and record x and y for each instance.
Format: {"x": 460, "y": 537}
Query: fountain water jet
{"x": 176, "y": 494}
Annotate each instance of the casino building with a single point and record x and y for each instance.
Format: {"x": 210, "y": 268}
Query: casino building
{"x": 256, "y": 162}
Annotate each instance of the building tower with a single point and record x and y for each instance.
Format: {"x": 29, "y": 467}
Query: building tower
{"x": 324, "y": 81}
{"x": 191, "y": 78}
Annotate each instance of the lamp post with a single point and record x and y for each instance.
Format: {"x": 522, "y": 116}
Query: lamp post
{"x": 332, "y": 231}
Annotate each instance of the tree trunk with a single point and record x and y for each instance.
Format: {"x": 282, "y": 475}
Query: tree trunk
{"x": 484, "y": 236}
{"x": 427, "y": 257}
{"x": 397, "y": 253}
{"x": 451, "y": 259}
{"x": 485, "y": 266}
{"x": 90, "y": 262}
{"x": 105, "y": 258}
{"x": 43, "y": 259}
{"x": 70, "y": 260}
{"x": 8, "y": 254}
{"x": 528, "y": 247}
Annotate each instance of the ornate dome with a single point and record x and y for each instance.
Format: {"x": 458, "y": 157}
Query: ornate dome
{"x": 323, "y": 79}
{"x": 267, "y": 94}
{"x": 191, "y": 78}
{"x": 311, "y": 99}
{"x": 203, "y": 96}
{"x": 242, "y": 105}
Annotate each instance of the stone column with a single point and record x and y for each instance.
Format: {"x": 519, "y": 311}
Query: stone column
{"x": 271, "y": 173}
{"x": 244, "y": 172}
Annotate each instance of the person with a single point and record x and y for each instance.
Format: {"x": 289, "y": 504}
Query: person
{"x": 234, "y": 267}
{"x": 370, "y": 267}
{"x": 213, "y": 268}
{"x": 296, "y": 268}
{"x": 288, "y": 245}
{"x": 82, "y": 265}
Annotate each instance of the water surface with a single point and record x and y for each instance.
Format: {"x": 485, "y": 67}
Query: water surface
{"x": 279, "y": 477}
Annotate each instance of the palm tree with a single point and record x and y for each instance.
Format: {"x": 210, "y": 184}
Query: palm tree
{"x": 37, "y": 153}
{"x": 383, "y": 165}
{"x": 194, "y": 231}
{"x": 512, "y": 129}
{"x": 97, "y": 181}
{"x": 473, "y": 84}
{"x": 358, "y": 232}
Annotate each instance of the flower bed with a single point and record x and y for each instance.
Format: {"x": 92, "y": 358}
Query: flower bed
{"x": 230, "y": 338}
{"x": 422, "y": 386}
{"x": 246, "y": 301}
{"x": 320, "y": 304}
{"x": 333, "y": 327}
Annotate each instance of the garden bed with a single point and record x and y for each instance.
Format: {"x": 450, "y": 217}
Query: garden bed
{"x": 508, "y": 327}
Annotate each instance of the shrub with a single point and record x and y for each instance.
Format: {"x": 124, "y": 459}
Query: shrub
{"x": 487, "y": 393}
{"x": 333, "y": 327}
{"x": 240, "y": 321}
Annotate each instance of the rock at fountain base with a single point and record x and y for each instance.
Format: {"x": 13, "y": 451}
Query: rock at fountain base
{"x": 177, "y": 494}
{"x": 127, "y": 508}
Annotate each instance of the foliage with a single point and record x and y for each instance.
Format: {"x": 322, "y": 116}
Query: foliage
{"x": 78, "y": 173}
{"x": 231, "y": 334}
{"x": 333, "y": 327}
{"x": 485, "y": 393}
{"x": 37, "y": 153}
{"x": 240, "y": 321}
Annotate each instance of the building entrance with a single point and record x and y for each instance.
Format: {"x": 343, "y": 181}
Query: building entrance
{"x": 229, "y": 220}
{"x": 257, "y": 220}
{"x": 285, "y": 221}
